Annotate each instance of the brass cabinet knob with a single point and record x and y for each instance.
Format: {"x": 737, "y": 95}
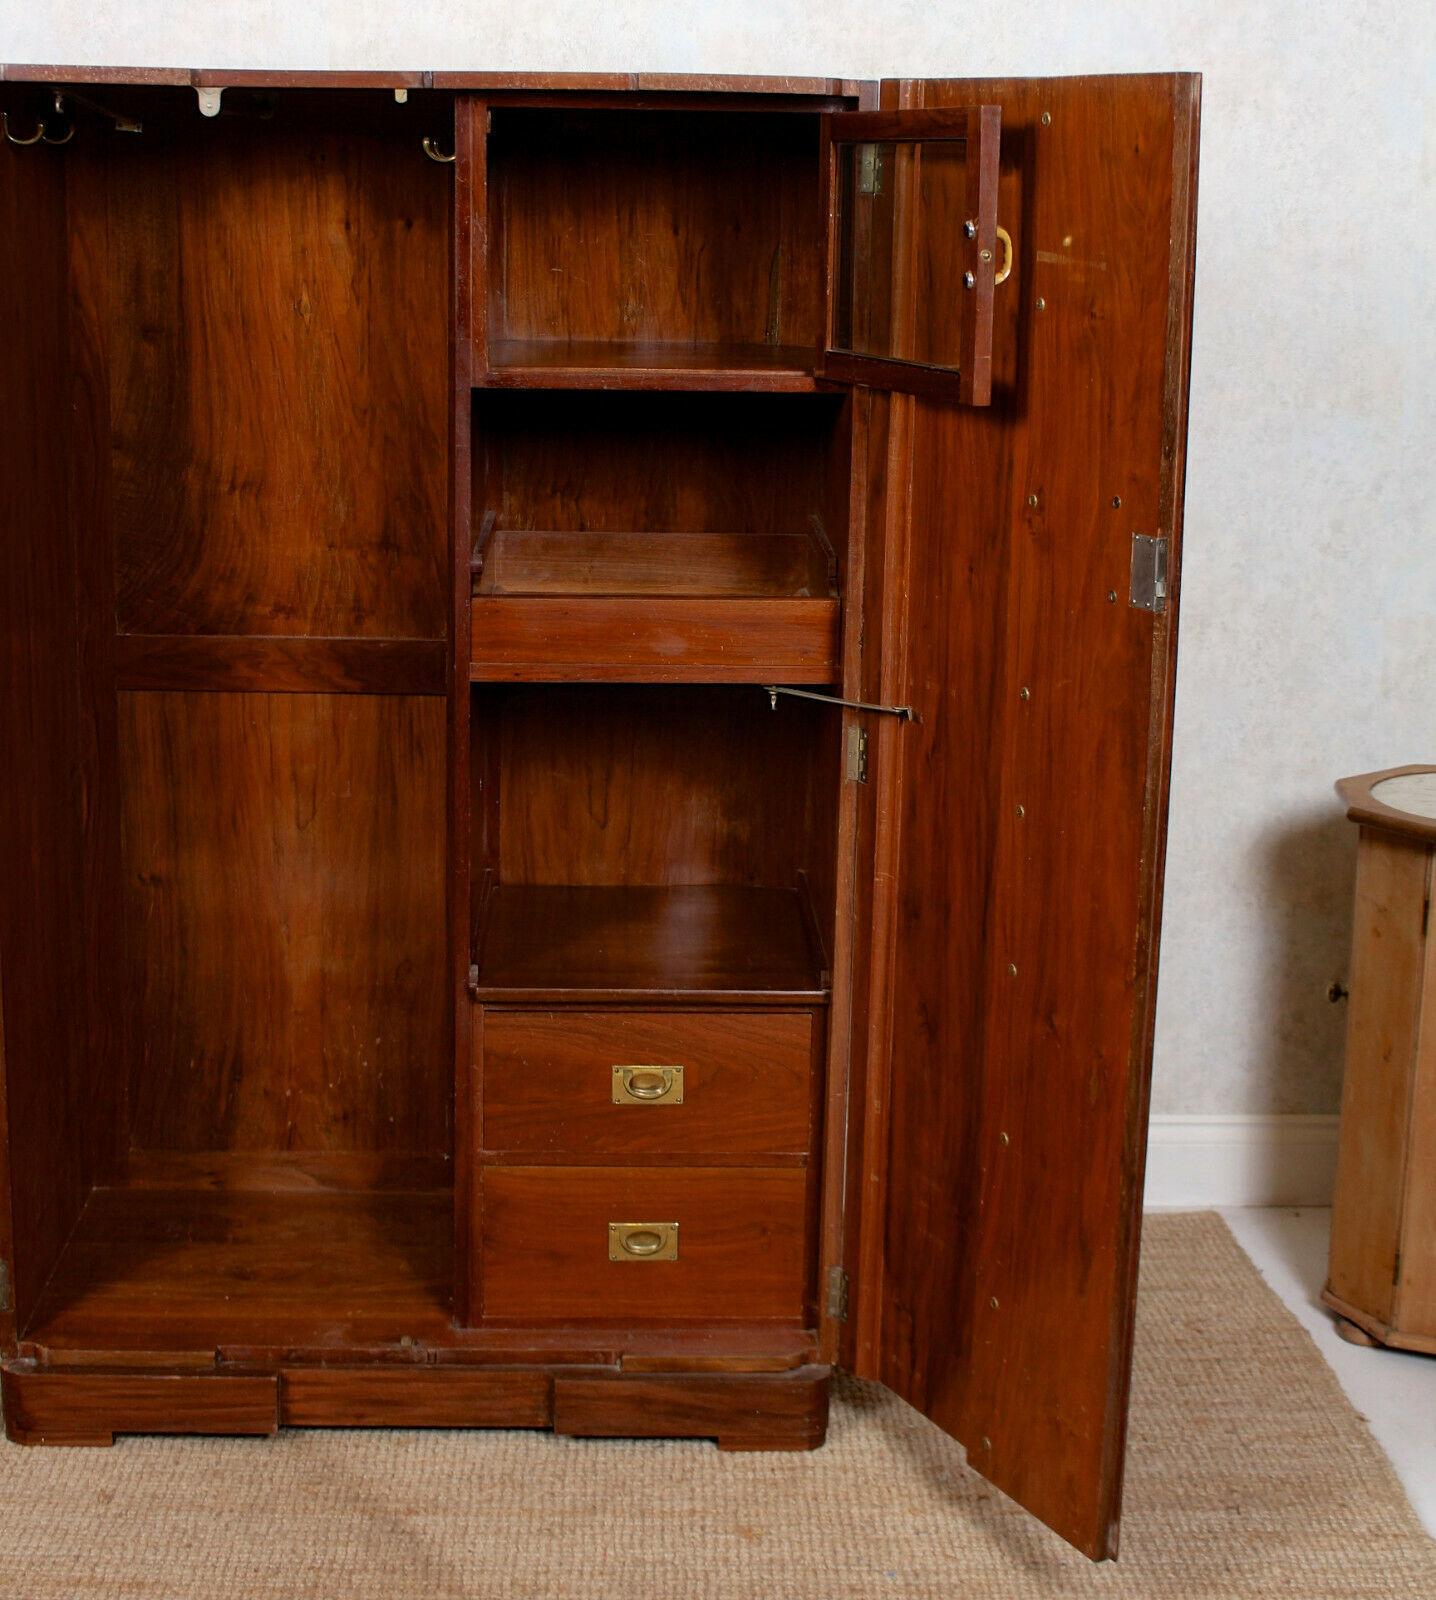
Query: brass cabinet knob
{"x": 643, "y": 1241}
{"x": 647, "y": 1085}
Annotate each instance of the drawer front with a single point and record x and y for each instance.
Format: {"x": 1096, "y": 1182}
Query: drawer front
{"x": 716, "y": 1242}
{"x": 574, "y": 1084}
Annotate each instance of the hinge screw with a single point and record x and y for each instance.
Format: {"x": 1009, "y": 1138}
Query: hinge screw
{"x": 1046, "y": 119}
{"x": 1041, "y": 303}
{"x": 985, "y": 1442}
{"x": 1116, "y": 500}
{"x": 1024, "y": 693}
{"x": 969, "y": 280}
{"x": 1011, "y": 969}
{"x": 1021, "y": 811}
{"x": 993, "y": 1302}
{"x": 1003, "y": 1139}
{"x": 1032, "y": 501}
{"x": 1112, "y": 596}
{"x": 970, "y": 228}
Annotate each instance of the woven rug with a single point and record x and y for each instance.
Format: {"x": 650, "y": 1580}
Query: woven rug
{"x": 1249, "y": 1474}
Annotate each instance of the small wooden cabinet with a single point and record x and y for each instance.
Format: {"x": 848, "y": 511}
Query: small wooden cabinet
{"x": 586, "y": 716}
{"x": 1382, "y": 1278}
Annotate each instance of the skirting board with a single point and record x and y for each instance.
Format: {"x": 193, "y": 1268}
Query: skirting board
{"x": 1240, "y": 1161}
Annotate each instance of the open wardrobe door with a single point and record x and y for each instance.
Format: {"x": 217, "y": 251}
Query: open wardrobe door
{"x": 1020, "y": 597}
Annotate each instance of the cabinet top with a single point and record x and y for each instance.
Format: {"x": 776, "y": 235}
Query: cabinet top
{"x": 589, "y": 82}
{"x": 1397, "y": 800}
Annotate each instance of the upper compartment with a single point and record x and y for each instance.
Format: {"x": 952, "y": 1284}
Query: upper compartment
{"x": 651, "y": 249}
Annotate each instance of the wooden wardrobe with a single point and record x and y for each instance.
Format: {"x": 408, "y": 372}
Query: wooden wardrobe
{"x": 585, "y": 718}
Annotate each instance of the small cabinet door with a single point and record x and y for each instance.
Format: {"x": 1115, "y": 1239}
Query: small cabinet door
{"x": 914, "y": 249}
{"x": 1016, "y": 823}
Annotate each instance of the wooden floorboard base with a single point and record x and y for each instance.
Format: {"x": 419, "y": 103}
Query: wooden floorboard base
{"x": 741, "y": 1411}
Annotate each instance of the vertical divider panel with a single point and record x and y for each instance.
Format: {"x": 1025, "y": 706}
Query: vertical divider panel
{"x": 110, "y": 1021}
{"x": 469, "y": 272}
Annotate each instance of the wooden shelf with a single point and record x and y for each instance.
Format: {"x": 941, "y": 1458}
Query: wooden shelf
{"x": 515, "y": 561}
{"x": 185, "y": 1270}
{"x": 710, "y": 944}
{"x": 600, "y": 364}
{"x": 653, "y": 607}
{"x": 172, "y": 1278}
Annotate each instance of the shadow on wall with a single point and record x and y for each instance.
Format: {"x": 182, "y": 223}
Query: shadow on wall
{"x": 1307, "y": 884}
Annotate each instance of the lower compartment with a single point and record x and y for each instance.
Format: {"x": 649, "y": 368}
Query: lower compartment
{"x": 742, "y": 1411}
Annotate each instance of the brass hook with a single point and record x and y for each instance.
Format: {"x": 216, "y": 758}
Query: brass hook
{"x": 34, "y": 138}
{"x": 434, "y": 153}
{"x": 69, "y": 134}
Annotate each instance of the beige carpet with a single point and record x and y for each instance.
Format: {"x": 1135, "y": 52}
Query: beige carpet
{"x": 1250, "y": 1474}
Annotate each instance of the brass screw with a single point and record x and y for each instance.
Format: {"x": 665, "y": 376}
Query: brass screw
{"x": 993, "y": 1302}
{"x": 1032, "y": 500}
{"x": 1112, "y": 596}
{"x": 1024, "y": 694}
{"x": 1003, "y": 1139}
{"x": 986, "y": 1442}
{"x": 984, "y": 255}
{"x": 1046, "y": 119}
{"x": 1021, "y": 811}
{"x": 1041, "y": 303}
{"x": 1011, "y": 969}
{"x": 1116, "y": 500}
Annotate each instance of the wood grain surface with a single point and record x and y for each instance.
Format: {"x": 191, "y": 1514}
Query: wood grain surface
{"x": 50, "y": 1101}
{"x": 597, "y": 785}
{"x": 717, "y": 942}
{"x": 1022, "y": 958}
{"x": 283, "y": 862}
{"x": 633, "y": 228}
{"x": 742, "y": 1249}
{"x": 279, "y": 449}
{"x": 548, "y": 1084}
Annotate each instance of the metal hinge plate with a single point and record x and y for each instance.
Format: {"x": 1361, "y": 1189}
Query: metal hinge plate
{"x": 1149, "y": 573}
{"x": 870, "y": 169}
{"x": 837, "y": 1306}
{"x": 857, "y": 767}
{"x": 7, "y": 1301}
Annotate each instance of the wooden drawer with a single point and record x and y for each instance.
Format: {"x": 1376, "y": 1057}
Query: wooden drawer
{"x": 546, "y": 1249}
{"x": 745, "y": 1089}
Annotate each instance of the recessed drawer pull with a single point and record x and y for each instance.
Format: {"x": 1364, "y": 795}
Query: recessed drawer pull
{"x": 647, "y": 1086}
{"x": 643, "y": 1241}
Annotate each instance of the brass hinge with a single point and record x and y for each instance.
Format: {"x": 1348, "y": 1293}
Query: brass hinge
{"x": 7, "y": 1302}
{"x": 473, "y": 977}
{"x": 870, "y": 169}
{"x": 857, "y": 764}
{"x": 837, "y": 1306}
{"x": 1149, "y": 573}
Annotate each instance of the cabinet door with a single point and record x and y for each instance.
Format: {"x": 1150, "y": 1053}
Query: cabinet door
{"x": 913, "y": 249}
{"x": 1017, "y": 823}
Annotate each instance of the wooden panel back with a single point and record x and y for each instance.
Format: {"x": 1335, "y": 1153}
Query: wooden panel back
{"x": 640, "y": 225}
{"x": 284, "y": 921}
{"x": 604, "y": 785}
{"x": 46, "y": 1092}
{"x": 1023, "y": 934}
{"x": 619, "y": 463}
{"x": 279, "y": 346}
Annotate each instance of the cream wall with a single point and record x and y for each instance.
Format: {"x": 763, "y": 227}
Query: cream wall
{"x": 1309, "y": 615}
